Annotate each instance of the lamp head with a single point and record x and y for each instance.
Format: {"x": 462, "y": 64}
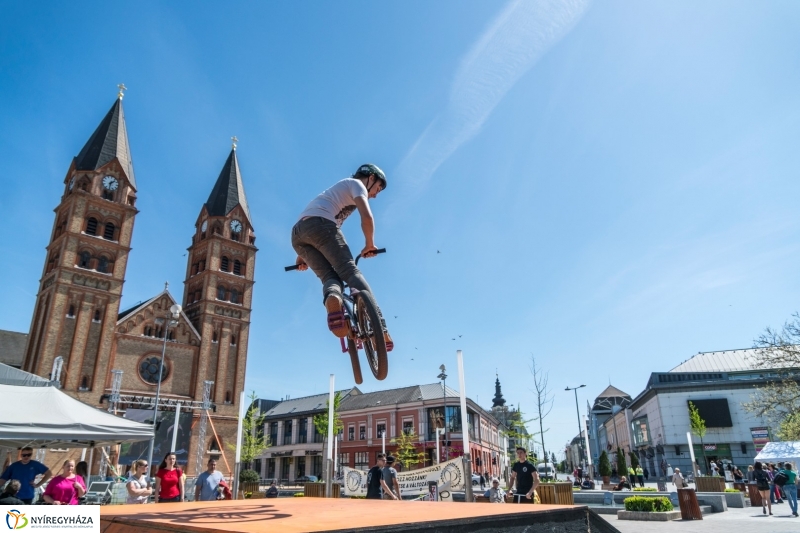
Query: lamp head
{"x": 442, "y": 368}
{"x": 175, "y": 310}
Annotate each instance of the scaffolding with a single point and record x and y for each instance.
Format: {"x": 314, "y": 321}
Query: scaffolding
{"x": 201, "y": 430}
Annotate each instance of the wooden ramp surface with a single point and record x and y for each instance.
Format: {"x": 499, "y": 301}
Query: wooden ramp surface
{"x": 295, "y": 515}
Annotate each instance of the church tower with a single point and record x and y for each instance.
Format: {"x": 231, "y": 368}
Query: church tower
{"x": 81, "y": 284}
{"x": 218, "y": 291}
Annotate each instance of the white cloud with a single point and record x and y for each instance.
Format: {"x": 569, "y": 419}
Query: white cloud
{"x": 511, "y": 45}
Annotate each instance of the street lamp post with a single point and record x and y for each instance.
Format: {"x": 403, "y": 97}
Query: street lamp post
{"x": 443, "y": 377}
{"x": 580, "y": 432}
{"x": 171, "y": 320}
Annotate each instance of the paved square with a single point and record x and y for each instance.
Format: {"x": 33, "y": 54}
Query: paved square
{"x": 732, "y": 521}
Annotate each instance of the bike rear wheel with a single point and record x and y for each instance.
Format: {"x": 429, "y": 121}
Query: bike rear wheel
{"x": 352, "y": 349}
{"x": 371, "y": 329}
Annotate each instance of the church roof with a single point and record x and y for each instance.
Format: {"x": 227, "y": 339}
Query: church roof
{"x": 12, "y": 347}
{"x": 108, "y": 142}
{"x": 722, "y": 361}
{"x": 228, "y": 191}
{"x": 141, "y": 305}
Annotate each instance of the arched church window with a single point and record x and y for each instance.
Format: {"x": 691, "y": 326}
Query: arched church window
{"x": 172, "y": 335}
{"x": 108, "y": 233}
{"x": 233, "y": 340}
{"x": 97, "y": 315}
{"x": 237, "y": 267}
{"x": 84, "y": 259}
{"x": 85, "y": 383}
{"x": 202, "y": 265}
{"x": 71, "y": 311}
{"x": 102, "y": 264}
{"x": 227, "y": 396}
{"x": 91, "y": 226}
{"x": 148, "y": 331}
{"x": 225, "y": 264}
{"x": 214, "y": 337}
{"x": 220, "y": 293}
{"x": 234, "y": 296}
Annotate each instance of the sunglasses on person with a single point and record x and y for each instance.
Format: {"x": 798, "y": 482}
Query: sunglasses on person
{"x": 26, "y": 454}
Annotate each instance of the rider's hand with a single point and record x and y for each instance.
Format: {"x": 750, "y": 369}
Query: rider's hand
{"x": 369, "y": 251}
{"x": 301, "y": 264}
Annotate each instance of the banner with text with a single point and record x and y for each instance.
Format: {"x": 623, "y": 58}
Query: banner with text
{"x": 760, "y": 437}
{"x": 444, "y": 478}
{"x": 44, "y": 518}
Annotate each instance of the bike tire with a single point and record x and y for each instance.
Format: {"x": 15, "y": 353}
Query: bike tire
{"x": 352, "y": 349}
{"x": 370, "y": 326}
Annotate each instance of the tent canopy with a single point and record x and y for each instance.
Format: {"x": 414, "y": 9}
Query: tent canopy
{"x": 39, "y": 416}
{"x": 780, "y": 451}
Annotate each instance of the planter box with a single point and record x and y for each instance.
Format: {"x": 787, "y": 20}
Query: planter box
{"x": 709, "y": 484}
{"x": 648, "y": 517}
{"x": 317, "y": 490}
{"x": 556, "y": 493}
{"x": 735, "y": 499}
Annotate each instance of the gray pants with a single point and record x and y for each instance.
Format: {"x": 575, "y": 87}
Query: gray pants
{"x": 322, "y": 245}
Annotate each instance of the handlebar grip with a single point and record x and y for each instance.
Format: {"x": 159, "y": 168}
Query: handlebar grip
{"x": 377, "y": 251}
{"x": 289, "y": 268}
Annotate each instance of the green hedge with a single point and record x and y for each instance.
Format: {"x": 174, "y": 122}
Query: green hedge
{"x": 645, "y": 489}
{"x": 648, "y": 504}
{"x": 732, "y": 490}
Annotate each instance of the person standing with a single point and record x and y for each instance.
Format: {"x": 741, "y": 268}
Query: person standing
{"x": 66, "y": 488}
{"x": 169, "y": 487}
{"x": 677, "y": 479}
{"x": 663, "y": 466}
{"x": 25, "y": 471}
{"x": 138, "y": 486}
{"x": 646, "y": 474}
{"x": 525, "y": 476}
{"x": 762, "y": 484}
{"x": 376, "y": 486}
{"x": 207, "y": 486}
{"x": 390, "y": 479}
{"x": 774, "y": 490}
{"x": 640, "y": 475}
{"x": 790, "y": 487}
{"x": 482, "y": 479}
{"x": 714, "y": 468}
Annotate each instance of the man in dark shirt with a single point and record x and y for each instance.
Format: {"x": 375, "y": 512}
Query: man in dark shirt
{"x": 272, "y": 491}
{"x": 375, "y": 482}
{"x": 25, "y": 471}
{"x": 9, "y": 496}
{"x": 526, "y": 476}
{"x": 390, "y": 479}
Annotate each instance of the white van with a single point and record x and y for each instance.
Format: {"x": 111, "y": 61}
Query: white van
{"x": 546, "y": 471}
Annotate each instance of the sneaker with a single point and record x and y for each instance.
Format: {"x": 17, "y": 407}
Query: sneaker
{"x": 336, "y": 321}
{"x": 764, "y": 510}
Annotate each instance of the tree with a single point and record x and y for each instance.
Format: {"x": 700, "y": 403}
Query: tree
{"x": 407, "y": 451}
{"x": 254, "y": 439}
{"x": 698, "y": 427}
{"x": 622, "y": 466}
{"x": 778, "y": 352}
{"x": 553, "y": 458}
{"x": 789, "y": 429}
{"x": 604, "y": 465}
{"x": 544, "y": 400}
{"x": 634, "y": 460}
{"x": 517, "y": 432}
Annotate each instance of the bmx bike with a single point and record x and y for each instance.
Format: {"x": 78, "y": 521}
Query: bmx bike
{"x": 365, "y": 329}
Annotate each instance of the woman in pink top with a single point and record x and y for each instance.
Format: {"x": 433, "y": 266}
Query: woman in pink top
{"x": 66, "y": 488}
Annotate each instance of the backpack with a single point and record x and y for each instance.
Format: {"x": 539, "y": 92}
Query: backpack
{"x": 780, "y": 478}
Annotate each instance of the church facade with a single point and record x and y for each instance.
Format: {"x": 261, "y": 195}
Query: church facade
{"x": 79, "y": 336}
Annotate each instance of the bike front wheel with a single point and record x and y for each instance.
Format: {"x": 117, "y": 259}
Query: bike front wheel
{"x": 371, "y": 330}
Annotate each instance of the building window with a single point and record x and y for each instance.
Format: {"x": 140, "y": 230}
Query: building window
{"x": 351, "y": 433}
{"x": 214, "y": 337}
{"x": 408, "y": 427}
{"x": 300, "y": 470}
{"x": 148, "y": 370}
{"x": 381, "y": 430}
{"x": 234, "y": 296}
{"x": 109, "y": 231}
{"x": 221, "y": 293}
{"x": 91, "y": 226}
{"x": 84, "y": 383}
{"x": 270, "y": 466}
{"x": 108, "y": 195}
{"x": 96, "y": 316}
{"x": 148, "y": 331}
{"x": 233, "y": 340}
{"x": 344, "y": 459}
{"x": 84, "y": 259}
{"x": 102, "y": 264}
{"x": 316, "y": 466}
{"x": 362, "y": 461}
{"x": 273, "y": 434}
{"x": 225, "y": 264}
{"x": 287, "y": 432}
{"x": 362, "y": 432}
{"x": 641, "y": 431}
{"x": 202, "y": 265}
{"x": 228, "y": 397}
{"x": 302, "y": 436}
{"x": 237, "y": 267}
{"x": 71, "y": 312}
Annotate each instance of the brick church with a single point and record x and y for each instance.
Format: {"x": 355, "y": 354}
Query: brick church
{"x": 79, "y": 335}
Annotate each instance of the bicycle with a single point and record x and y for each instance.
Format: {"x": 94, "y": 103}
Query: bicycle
{"x": 366, "y": 330}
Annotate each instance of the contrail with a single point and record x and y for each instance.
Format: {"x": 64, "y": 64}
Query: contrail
{"x": 511, "y": 45}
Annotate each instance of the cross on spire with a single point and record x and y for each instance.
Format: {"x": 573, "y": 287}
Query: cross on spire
{"x": 234, "y": 140}
{"x": 122, "y": 90}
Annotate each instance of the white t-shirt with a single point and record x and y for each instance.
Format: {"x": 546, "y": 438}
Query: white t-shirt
{"x": 336, "y": 203}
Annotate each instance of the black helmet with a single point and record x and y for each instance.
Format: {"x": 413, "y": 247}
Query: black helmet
{"x": 368, "y": 168}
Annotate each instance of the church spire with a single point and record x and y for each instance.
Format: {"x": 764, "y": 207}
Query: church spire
{"x": 228, "y": 191}
{"x": 498, "y": 400}
{"x": 108, "y": 142}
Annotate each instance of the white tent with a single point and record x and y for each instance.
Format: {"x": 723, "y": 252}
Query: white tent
{"x": 775, "y": 452}
{"x": 40, "y": 416}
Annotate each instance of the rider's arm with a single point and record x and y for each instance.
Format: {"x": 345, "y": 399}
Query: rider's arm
{"x": 367, "y": 222}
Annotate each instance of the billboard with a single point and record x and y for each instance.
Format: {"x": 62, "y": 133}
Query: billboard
{"x": 132, "y": 451}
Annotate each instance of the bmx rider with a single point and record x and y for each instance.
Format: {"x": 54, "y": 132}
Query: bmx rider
{"x": 320, "y": 244}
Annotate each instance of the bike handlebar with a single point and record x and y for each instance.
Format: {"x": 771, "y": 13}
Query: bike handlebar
{"x": 377, "y": 251}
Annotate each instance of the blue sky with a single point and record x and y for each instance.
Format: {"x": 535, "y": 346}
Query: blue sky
{"x": 612, "y": 185}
